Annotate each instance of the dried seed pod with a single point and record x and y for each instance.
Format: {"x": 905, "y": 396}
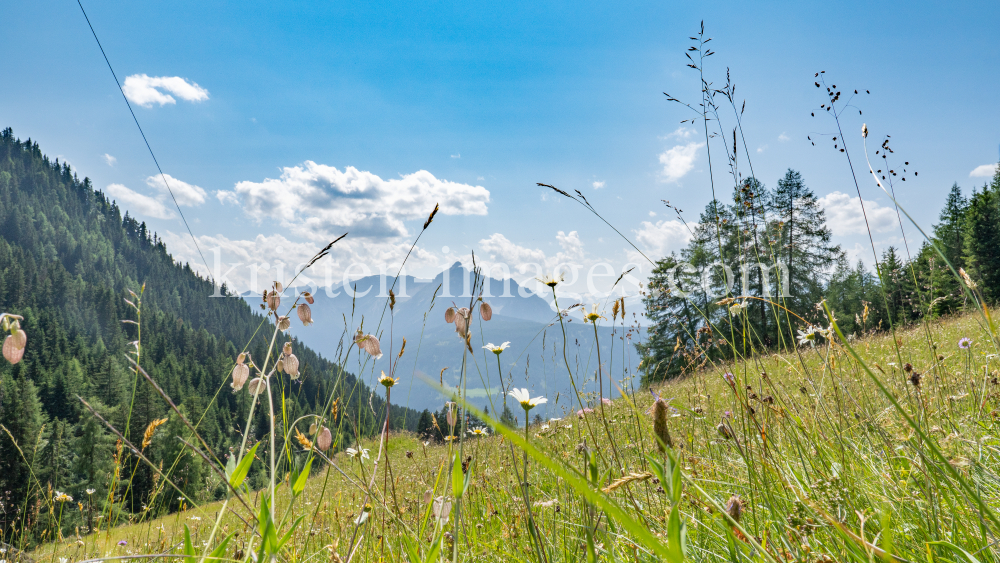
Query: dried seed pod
{"x": 12, "y": 353}
{"x": 308, "y": 297}
{"x": 284, "y": 323}
{"x": 273, "y": 300}
{"x": 241, "y": 358}
{"x": 660, "y": 425}
{"x": 280, "y": 365}
{"x": 291, "y": 366}
{"x": 449, "y": 315}
{"x": 286, "y": 349}
{"x": 305, "y": 314}
{"x": 256, "y": 386}
{"x": 724, "y": 431}
{"x": 485, "y": 311}
{"x": 325, "y": 439}
{"x": 241, "y": 372}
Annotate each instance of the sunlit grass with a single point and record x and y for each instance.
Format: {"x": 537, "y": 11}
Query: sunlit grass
{"x": 824, "y": 468}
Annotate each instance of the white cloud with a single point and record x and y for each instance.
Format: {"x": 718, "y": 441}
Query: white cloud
{"x": 843, "y": 214}
{"x": 457, "y": 155}
{"x": 984, "y": 171}
{"x": 251, "y": 264}
{"x": 146, "y": 90}
{"x": 185, "y": 193}
{"x": 598, "y": 184}
{"x": 652, "y": 214}
{"x": 662, "y": 237}
{"x": 682, "y": 133}
{"x": 503, "y": 250}
{"x": 110, "y": 159}
{"x": 138, "y": 203}
{"x": 318, "y": 202}
{"x": 679, "y": 160}
{"x": 761, "y": 148}
{"x": 225, "y": 196}
{"x": 782, "y": 137}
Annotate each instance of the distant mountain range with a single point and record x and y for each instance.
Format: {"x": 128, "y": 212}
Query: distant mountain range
{"x": 520, "y": 316}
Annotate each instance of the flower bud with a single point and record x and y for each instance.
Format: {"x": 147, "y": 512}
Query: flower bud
{"x": 256, "y": 386}
{"x": 291, "y": 366}
{"x": 241, "y": 372}
{"x": 325, "y": 439}
{"x": 280, "y": 365}
{"x": 286, "y": 349}
{"x": 273, "y": 300}
{"x": 305, "y": 314}
{"x": 308, "y": 297}
{"x": 241, "y": 358}
{"x": 660, "y": 425}
{"x": 11, "y": 352}
{"x": 369, "y": 343}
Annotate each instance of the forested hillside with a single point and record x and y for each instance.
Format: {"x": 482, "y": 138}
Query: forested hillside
{"x": 68, "y": 260}
{"x": 777, "y": 246}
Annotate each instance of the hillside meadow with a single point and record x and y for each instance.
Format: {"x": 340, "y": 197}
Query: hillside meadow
{"x": 808, "y": 455}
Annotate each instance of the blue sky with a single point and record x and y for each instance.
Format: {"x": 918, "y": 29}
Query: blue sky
{"x": 487, "y": 99}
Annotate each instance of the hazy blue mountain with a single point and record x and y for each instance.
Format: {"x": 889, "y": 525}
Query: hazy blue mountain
{"x": 519, "y": 316}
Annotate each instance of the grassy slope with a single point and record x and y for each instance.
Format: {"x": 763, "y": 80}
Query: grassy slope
{"x": 828, "y": 435}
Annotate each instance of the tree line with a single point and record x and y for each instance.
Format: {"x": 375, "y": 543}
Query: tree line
{"x": 757, "y": 266}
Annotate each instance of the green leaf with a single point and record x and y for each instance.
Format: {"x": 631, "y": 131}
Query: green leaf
{"x": 958, "y": 550}
{"x": 457, "y": 477}
{"x": 220, "y": 551}
{"x": 239, "y": 474}
{"x": 300, "y": 481}
{"x": 288, "y": 535}
{"x": 675, "y": 484}
{"x": 675, "y": 536}
{"x": 188, "y": 546}
{"x": 432, "y": 555}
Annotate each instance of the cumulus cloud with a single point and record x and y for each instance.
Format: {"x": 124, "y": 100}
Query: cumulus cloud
{"x": 186, "y": 194}
{"x": 148, "y": 90}
{"x": 782, "y": 137}
{"x": 679, "y": 160}
{"x": 251, "y": 264}
{"x": 662, "y": 237}
{"x": 844, "y": 215}
{"x": 984, "y": 171}
{"x": 138, "y": 203}
{"x": 598, "y": 184}
{"x": 316, "y": 202}
{"x": 110, "y": 159}
{"x": 682, "y": 133}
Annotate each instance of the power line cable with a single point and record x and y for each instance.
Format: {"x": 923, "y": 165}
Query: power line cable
{"x": 134, "y": 118}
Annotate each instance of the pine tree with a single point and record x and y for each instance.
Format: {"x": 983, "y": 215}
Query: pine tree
{"x": 803, "y": 240}
{"x": 982, "y": 237}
